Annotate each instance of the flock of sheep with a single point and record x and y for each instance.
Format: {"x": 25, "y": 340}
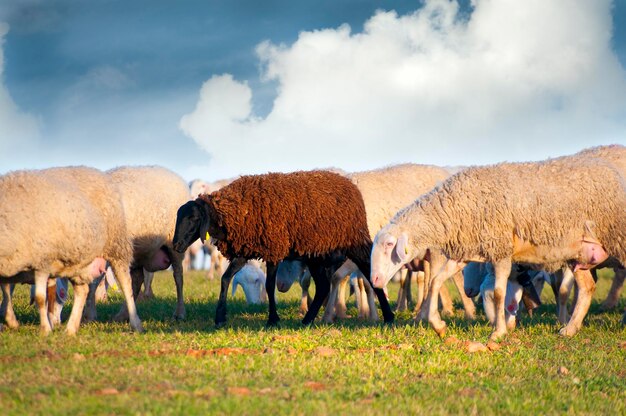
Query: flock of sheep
{"x": 514, "y": 225}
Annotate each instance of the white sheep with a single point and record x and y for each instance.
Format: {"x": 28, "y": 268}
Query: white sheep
{"x": 544, "y": 213}
{"x": 77, "y": 225}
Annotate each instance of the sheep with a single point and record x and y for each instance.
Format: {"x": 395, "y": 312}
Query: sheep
{"x": 80, "y": 224}
{"x": 151, "y": 196}
{"x": 315, "y": 214}
{"x": 384, "y": 192}
{"x": 252, "y": 281}
{"x": 543, "y": 213}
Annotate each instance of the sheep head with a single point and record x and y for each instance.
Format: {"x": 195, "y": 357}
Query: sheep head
{"x": 192, "y": 222}
{"x": 390, "y": 252}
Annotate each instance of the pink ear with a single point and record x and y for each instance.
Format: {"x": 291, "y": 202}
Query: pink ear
{"x": 401, "y": 247}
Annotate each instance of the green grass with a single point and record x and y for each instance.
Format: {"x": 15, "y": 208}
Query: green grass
{"x": 351, "y": 367}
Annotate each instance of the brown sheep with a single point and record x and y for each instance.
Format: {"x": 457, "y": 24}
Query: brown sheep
{"x": 319, "y": 215}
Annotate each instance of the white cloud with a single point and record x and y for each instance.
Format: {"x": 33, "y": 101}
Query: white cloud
{"x": 515, "y": 80}
{"x": 18, "y": 130}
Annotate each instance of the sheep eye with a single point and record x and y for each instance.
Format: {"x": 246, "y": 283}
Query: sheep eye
{"x": 389, "y": 244}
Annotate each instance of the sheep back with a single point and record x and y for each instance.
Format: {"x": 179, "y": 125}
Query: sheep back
{"x": 151, "y": 196}
{"x": 385, "y": 191}
{"x": 275, "y": 215}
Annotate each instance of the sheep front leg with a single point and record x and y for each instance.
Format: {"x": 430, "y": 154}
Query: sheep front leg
{"x": 564, "y": 290}
{"x": 41, "y": 287}
{"x": 7, "y": 306}
{"x": 586, "y": 287}
{"x": 227, "y": 277}
{"x": 420, "y": 293}
{"x": 502, "y": 270}
{"x": 137, "y": 279}
{"x": 177, "y": 268}
{"x": 432, "y": 301}
{"x": 334, "y": 303}
{"x": 616, "y": 288}
{"x": 122, "y": 273}
{"x": 80, "y": 296}
{"x": 270, "y": 288}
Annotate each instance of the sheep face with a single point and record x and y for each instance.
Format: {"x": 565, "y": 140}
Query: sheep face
{"x": 389, "y": 254}
{"x": 191, "y": 223}
{"x": 288, "y": 272}
{"x": 473, "y": 276}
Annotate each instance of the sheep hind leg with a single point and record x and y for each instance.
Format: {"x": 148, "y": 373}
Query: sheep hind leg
{"x": 447, "y": 309}
{"x": 322, "y": 288}
{"x": 502, "y": 270}
{"x": 121, "y": 271}
{"x": 137, "y": 279}
{"x": 41, "y": 286}
{"x": 341, "y": 310}
{"x": 616, "y": 287}
{"x": 80, "y": 296}
{"x": 6, "y": 309}
{"x": 586, "y": 287}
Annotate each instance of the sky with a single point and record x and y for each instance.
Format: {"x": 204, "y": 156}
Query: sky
{"x": 216, "y": 89}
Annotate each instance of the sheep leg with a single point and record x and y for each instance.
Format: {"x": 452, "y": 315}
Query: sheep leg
{"x": 80, "y": 296}
{"x": 147, "y": 286}
{"x": 177, "y": 269}
{"x": 322, "y": 288}
{"x": 420, "y": 293}
{"x": 122, "y": 273}
{"x": 407, "y": 288}
{"x": 586, "y": 287}
{"x": 233, "y": 268}
{"x": 270, "y": 288}
{"x": 401, "y": 304}
{"x": 447, "y": 309}
{"x": 432, "y": 301}
{"x": 468, "y": 304}
{"x": 6, "y": 309}
{"x": 305, "y": 298}
{"x": 89, "y": 312}
{"x": 564, "y": 290}
{"x": 502, "y": 270}
{"x": 333, "y": 298}
{"x": 362, "y": 259}
{"x": 341, "y": 310}
{"x": 368, "y": 299}
{"x": 137, "y": 278}
{"x": 41, "y": 285}
{"x": 616, "y": 288}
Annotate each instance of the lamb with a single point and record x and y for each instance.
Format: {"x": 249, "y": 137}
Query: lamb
{"x": 252, "y": 281}
{"x": 318, "y": 215}
{"x": 80, "y": 224}
{"x": 543, "y": 213}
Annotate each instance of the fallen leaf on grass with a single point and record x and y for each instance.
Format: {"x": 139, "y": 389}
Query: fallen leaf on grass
{"x": 291, "y": 350}
{"x": 473, "y": 346}
{"x": 206, "y": 393}
{"x": 452, "y": 341}
{"x": 562, "y": 371}
{"x": 107, "y": 391}
{"x": 265, "y": 390}
{"x": 622, "y": 345}
{"x": 314, "y": 385}
{"x": 238, "y": 391}
{"x": 78, "y": 357}
{"x": 325, "y": 351}
{"x": 468, "y": 392}
{"x": 335, "y": 333}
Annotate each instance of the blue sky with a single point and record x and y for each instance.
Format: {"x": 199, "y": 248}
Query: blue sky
{"x": 213, "y": 89}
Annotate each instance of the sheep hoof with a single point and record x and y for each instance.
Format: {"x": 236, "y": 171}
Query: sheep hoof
{"x": 121, "y": 317}
{"x": 272, "y": 323}
{"x": 607, "y": 305}
{"x": 568, "y": 331}
{"x": 12, "y": 324}
{"x": 497, "y": 335}
{"x": 220, "y": 324}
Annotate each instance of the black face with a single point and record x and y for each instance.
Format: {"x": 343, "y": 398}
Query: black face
{"x": 189, "y": 222}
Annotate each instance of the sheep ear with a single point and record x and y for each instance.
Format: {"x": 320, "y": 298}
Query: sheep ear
{"x": 402, "y": 250}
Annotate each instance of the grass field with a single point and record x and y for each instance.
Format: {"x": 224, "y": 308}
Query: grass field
{"x": 351, "y": 367}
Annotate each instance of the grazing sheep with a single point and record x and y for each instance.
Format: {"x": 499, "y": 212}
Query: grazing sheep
{"x": 151, "y": 195}
{"x": 80, "y": 224}
{"x": 317, "y": 215}
{"x": 544, "y": 213}
{"x": 252, "y": 281}
{"x": 384, "y": 192}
